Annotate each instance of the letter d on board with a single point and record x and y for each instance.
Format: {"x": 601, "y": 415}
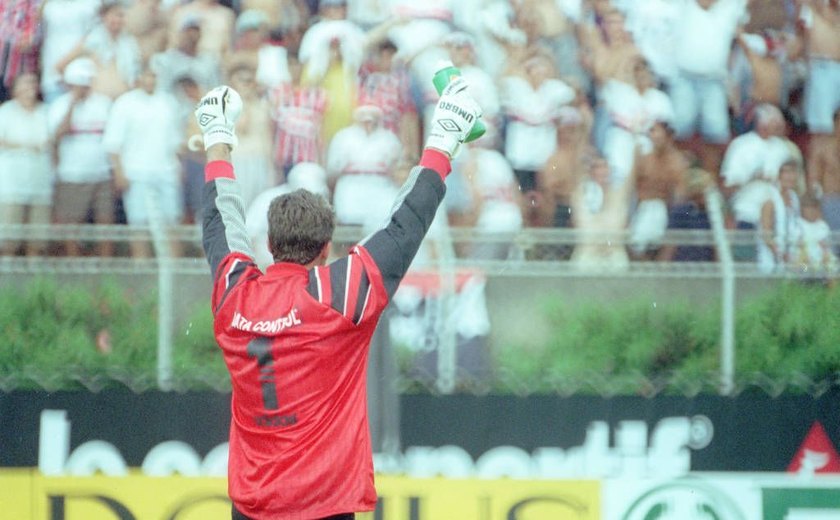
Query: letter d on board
{"x": 58, "y": 506}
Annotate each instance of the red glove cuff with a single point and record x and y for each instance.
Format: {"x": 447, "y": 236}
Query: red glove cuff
{"x": 437, "y": 161}
{"x": 218, "y": 169}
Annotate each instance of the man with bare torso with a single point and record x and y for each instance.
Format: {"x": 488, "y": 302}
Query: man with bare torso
{"x": 766, "y": 77}
{"x": 659, "y": 181}
{"x": 824, "y": 175}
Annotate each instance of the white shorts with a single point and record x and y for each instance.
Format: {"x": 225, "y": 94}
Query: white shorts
{"x": 650, "y": 220}
{"x": 143, "y": 197}
{"x": 702, "y": 102}
{"x": 822, "y": 95}
{"x": 363, "y": 199}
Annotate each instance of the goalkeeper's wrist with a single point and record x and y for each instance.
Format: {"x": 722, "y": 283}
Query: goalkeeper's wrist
{"x": 437, "y": 160}
{"x": 219, "y": 135}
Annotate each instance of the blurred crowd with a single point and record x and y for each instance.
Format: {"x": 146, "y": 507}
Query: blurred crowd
{"x": 605, "y": 116}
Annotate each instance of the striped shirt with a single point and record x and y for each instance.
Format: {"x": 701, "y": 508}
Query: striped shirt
{"x": 390, "y": 91}
{"x": 19, "y": 33}
{"x": 298, "y": 113}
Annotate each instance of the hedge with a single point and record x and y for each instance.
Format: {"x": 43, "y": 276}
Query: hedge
{"x": 787, "y": 339}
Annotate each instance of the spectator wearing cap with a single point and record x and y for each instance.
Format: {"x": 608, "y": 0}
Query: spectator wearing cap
{"x": 142, "y": 138}
{"x": 360, "y": 165}
{"x": 63, "y": 24}
{"x": 253, "y": 50}
{"x": 26, "y": 174}
{"x": 114, "y": 51}
{"x": 77, "y": 122}
{"x": 186, "y": 59}
{"x": 216, "y": 21}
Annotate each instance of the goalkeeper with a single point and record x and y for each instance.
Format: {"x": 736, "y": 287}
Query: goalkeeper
{"x": 295, "y": 339}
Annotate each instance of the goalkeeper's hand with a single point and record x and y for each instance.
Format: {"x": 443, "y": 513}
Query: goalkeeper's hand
{"x": 455, "y": 114}
{"x": 216, "y": 114}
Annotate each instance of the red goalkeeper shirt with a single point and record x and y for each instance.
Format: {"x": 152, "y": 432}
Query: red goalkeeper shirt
{"x": 295, "y": 341}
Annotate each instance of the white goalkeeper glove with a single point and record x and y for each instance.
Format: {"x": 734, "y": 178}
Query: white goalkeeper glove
{"x": 216, "y": 114}
{"x": 455, "y": 114}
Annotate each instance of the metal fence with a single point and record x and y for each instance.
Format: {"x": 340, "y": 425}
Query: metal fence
{"x": 535, "y": 254}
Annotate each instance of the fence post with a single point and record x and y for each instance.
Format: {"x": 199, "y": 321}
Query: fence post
{"x": 714, "y": 205}
{"x": 447, "y": 359}
{"x": 166, "y": 308}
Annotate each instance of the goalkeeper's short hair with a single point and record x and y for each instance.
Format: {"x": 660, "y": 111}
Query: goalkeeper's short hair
{"x": 300, "y": 224}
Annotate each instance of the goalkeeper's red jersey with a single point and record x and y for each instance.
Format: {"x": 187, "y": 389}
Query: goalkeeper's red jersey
{"x": 295, "y": 341}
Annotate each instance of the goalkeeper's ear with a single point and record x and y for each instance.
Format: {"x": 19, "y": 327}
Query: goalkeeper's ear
{"x": 324, "y": 255}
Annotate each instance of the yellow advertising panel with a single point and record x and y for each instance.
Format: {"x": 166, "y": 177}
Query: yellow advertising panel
{"x": 25, "y": 494}
{"x": 403, "y": 498}
{"x": 135, "y": 497}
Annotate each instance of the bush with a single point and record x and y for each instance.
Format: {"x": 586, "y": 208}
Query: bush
{"x": 72, "y": 337}
{"x": 788, "y": 338}
{"x": 790, "y": 335}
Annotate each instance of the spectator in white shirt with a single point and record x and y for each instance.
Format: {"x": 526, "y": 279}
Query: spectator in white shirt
{"x": 360, "y": 163}
{"x": 496, "y": 207}
{"x": 26, "y": 176}
{"x": 142, "y": 139}
{"x": 779, "y": 227}
{"x": 77, "y": 122}
{"x": 64, "y": 23}
{"x": 113, "y": 49}
{"x": 705, "y": 34}
{"x": 653, "y": 24}
{"x": 531, "y": 104}
{"x": 751, "y": 161}
{"x": 633, "y": 109}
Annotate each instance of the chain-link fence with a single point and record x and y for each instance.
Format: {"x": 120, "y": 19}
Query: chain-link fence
{"x": 516, "y": 272}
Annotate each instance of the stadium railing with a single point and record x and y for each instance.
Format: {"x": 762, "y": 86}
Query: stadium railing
{"x": 535, "y": 253}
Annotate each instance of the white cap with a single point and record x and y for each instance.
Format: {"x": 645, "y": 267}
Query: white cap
{"x": 310, "y": 177}
{"x": 80, "y": 72}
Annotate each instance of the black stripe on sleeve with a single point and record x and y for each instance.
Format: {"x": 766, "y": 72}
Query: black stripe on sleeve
{"x": 338, "y": 281}
{"x": 312, "y": 284}
{"x": 361, "y": 297}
